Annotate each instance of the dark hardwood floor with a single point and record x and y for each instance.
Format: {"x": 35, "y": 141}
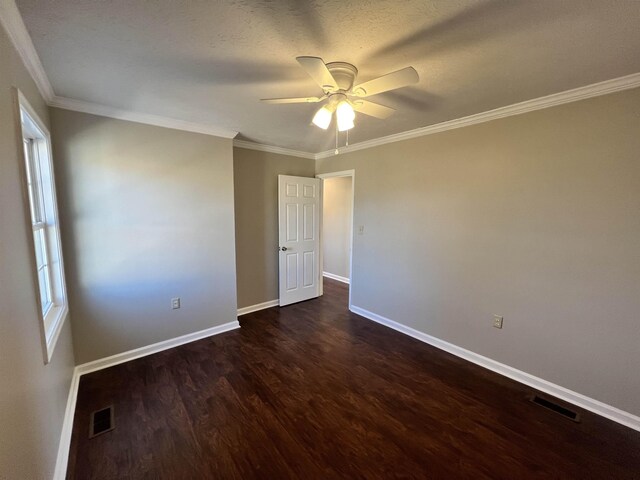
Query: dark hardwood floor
{"x": 313, "y": 391}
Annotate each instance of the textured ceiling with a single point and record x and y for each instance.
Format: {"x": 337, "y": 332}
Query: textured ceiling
{"x": 211, "y": 61}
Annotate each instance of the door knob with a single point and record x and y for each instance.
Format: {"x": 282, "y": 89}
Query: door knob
{"x": 284, "y": 249}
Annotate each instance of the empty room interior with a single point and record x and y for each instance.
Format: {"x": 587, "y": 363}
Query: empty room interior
{"x": 320, "y": 239}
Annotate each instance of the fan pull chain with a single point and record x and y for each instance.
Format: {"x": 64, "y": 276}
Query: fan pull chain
{"x": 336, "y": 152}
{"x": 347, "y": 144}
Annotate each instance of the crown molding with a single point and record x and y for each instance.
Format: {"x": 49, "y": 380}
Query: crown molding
{"x": 273, "y": 149}
{"x": 568, "y": 96}
{"x": 146, "y": 118}
{"x": 13, "y": 24}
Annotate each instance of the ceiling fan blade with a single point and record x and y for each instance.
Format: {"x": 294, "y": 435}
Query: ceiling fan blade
{"x": 373, "y": 109}
{"x": 293, "y": 100}
{"x": 391, "y": 81}
{"x": 317, "y": 70}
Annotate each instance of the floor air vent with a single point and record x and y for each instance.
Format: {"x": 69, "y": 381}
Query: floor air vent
{"x": 548, "y": 404}
{"x": 101, "y": 422}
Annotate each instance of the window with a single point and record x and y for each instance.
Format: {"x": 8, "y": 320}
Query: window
{"x": 43, "y": 215}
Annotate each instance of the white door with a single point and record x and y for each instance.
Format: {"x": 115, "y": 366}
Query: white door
{"x": 299, "y": 223}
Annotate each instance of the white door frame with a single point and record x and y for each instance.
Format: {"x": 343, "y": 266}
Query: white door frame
{"x": 323, "y": 176}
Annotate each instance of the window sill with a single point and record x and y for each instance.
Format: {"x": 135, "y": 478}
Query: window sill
{"x": 55, "y": 318}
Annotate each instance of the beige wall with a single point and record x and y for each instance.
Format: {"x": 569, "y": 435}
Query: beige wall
{"x": 336, "y": 225}
{"x": 147, "y": 214}
{"x": 33, "y": 395}
{"x": 534, "y": 217}
{"x": 256, "y": 210}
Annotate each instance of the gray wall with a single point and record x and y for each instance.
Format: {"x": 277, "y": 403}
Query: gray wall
{"x": 33, "y": 395}
{"x": 256, "y": 209}
{"x": 147, "y": 214}
{"x": 336, "y": 225}
{"x": 534, "y": 217}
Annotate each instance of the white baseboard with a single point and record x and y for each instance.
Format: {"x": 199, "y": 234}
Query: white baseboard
{"x": 336, "y": 277}
{"x": 154, "y": 348}
{"x": 67, "y": 425}
{"x": 595, "y": 406}
{"x": 258, "y": 306}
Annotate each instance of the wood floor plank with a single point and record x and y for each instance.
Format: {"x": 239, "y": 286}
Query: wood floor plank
{"x": 314, "y": 391}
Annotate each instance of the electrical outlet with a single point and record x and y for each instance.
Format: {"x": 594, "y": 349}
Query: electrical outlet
{"x": 361, "y": 230}
{"x": 175, "y": 303}
{"x": 497, "y": 321}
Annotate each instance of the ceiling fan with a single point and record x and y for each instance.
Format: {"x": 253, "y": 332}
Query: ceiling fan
{"x": 343, "y": 97}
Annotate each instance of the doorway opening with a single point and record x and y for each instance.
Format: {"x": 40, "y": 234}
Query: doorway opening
{"x": 336, "y": 237}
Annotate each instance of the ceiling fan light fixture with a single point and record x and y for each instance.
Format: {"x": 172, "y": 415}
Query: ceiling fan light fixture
{"x": 345, "y": 116}
{"x": 337, "y": 82}
{"x": 322, "y": 118}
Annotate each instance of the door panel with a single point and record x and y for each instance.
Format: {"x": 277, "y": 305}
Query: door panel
{"x": 308, "y": 269}
{"x": 292, "y": 222}
{"x": 299, "y": 222}
{"x": 309, "y": 219}
{"x": 292, "y": 271}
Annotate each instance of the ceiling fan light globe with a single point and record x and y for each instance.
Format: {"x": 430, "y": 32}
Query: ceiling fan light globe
{"x": 345, "y": 125}
{"x": 345, "y": 116}
{"x": 345, "y": 110}
{"x": 322, "y": 118}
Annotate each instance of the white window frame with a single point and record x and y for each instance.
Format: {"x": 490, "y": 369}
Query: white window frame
{"x": 41, "y": 212}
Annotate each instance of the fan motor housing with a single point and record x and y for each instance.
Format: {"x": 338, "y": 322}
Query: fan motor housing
{"x": 343, "y": 73}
